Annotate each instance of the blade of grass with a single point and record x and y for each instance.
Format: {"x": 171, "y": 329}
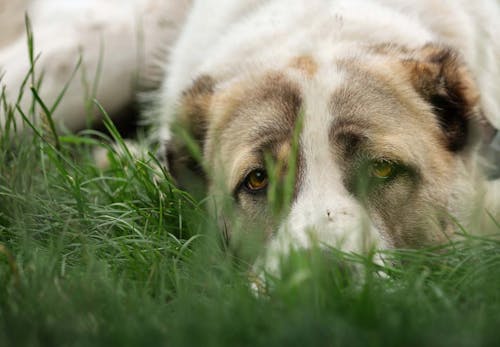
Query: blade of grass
{"x": 49, "y": 118}
{"x": 66, "y": 86}
{"x": 115, "y": 134}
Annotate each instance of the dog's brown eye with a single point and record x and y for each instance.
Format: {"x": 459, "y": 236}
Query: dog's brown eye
{"x": 256, "y": 180}
{"x": 382, "y": 169}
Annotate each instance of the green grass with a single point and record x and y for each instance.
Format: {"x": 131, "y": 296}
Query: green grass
{"x": 121, "y": 257}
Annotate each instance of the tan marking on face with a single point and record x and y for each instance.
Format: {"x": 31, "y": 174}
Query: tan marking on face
{"x": 417, "y": 107}
{"x": 282, "y": 158}
{"x": 251, "y": 118}
{"x": 284, "y": 152}
{"x": 256, "y": 98}
{"x": 194, "y": 107}
{"x": 252, "y": 115}
{"x": 379, "y": 117}
{"x": 192, "y": 117}
{"x": 389, "y": 48}
{"x": 306, "y": 64}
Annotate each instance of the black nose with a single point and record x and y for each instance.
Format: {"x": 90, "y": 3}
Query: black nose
{"x": 329, "y": 215}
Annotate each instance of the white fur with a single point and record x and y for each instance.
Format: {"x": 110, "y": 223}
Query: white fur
{"x": 324, "y": 212}
{"x": 127, "y": 34}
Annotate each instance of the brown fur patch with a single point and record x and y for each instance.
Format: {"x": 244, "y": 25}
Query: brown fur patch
{"x": 192, "y": 120}
{"x": 251, "y": 119}
{"x": 442, "y": 78}
{"x": 379, "y": 118}
{"x": 194, "y": 107}
{"x": 389, "y": 48}
{"x": 283, "y": 152}
{"x": 257, "y": 108}
{"x": 283, "y": 156}
{"x": 306, "y": 64}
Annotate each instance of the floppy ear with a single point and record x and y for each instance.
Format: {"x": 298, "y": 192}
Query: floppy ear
{"x": 184, "y": 150}
{"x": 440, "y": 75}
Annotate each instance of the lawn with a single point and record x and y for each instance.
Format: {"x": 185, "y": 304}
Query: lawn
{"x": 121, "y": 257}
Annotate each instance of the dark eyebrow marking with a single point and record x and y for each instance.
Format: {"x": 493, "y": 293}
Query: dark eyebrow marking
{"x": 281, "y": 95}
{"x": 348, "y": 136}
{"x": 349, "y": 143}
{"x": 269, "y": 134}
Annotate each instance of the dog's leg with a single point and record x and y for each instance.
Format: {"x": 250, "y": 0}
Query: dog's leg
{"x": 12, "y": 19}
{"x": 117, "y": 41}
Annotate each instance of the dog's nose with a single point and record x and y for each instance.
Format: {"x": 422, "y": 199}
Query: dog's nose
{"x": 335, "y": 214}
{"x": 329, "y": 215}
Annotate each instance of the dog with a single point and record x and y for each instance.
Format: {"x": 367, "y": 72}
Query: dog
{"x": 380, "y": 114}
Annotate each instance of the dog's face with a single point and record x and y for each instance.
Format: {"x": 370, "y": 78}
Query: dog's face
{"x": 379, "y": 146}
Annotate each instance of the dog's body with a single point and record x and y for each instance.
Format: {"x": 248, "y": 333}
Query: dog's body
{"x": 121, "y": 44}
{"x": 390, "y": 100}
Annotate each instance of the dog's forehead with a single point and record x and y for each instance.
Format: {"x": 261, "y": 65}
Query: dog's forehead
{"x": 257, "y": 112}
{"x": 268, "y": 106}
{"x": 339, "y": 104}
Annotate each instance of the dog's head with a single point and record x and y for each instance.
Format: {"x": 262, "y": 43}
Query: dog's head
{"x": 375, "y": 145}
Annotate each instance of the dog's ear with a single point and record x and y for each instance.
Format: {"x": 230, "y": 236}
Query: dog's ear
{"x": 442, "y": 78}
{"x": 184, "y": 151}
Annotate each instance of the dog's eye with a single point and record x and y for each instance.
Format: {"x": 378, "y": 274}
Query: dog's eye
{"x": 382, "y": 169}
{"x": 256, "y": 181}
{"x": 375, "y": 175}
